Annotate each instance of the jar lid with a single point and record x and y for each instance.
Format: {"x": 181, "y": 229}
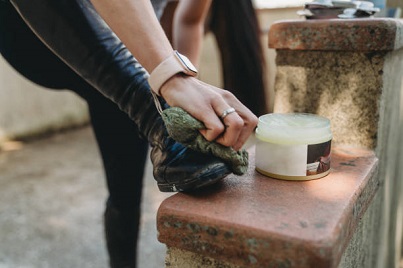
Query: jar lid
{"x": 293, "y": 128}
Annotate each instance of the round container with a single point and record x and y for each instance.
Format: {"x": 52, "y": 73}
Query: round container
{"x": 293, "y": 146}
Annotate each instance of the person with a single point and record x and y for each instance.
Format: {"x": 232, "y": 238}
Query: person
{"x": 235, "y": 26}
{"x": 104, "y": 52}
{"x": 188, "y": 27}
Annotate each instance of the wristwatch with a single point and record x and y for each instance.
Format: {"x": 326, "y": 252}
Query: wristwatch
{"x": 176, "y": 63}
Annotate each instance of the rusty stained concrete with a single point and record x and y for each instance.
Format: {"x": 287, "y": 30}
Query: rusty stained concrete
{"x": 256, "y": 221}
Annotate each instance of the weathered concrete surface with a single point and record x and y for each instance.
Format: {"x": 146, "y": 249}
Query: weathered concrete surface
{"x": 361, "y": 94}
{"x": 177, "y": 258}
{"x": 381, "y": 34}
{"x": 390, "y": 152}
{"x": 345, "y": 87}
{"x": 256, "y": 221}
{"x": 365, "y": 240}
{"x": 52, "y": 194}
{"x": 371, "y": 93}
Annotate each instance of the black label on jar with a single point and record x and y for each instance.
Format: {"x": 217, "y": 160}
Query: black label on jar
{"x": 318, "y": 160}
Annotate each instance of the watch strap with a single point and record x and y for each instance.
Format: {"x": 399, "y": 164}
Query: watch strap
{"x": 176, "y": 63}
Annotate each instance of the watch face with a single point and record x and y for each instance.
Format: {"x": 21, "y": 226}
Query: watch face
{"x": 188, "y": 64}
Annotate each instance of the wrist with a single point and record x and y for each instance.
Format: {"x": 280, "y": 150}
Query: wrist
{"x": 177, "y": 82}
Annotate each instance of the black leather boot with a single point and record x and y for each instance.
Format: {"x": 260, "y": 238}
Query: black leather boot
{"x": 74, "y": 31}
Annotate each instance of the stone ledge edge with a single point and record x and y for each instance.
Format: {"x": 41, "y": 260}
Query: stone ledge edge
{"x": 375, "y": 34}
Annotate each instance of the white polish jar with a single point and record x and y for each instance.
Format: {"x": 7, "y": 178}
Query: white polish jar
{"x": 293, "y": 146}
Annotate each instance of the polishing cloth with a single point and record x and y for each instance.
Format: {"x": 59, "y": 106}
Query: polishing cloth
{"x": 184, "y": 128}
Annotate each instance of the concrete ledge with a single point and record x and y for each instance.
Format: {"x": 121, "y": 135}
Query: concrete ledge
{"x": 337, "y": 34}
{"x": 256, "y": 221}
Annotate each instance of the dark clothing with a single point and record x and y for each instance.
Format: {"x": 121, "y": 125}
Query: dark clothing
{"x": 123, "y": 151}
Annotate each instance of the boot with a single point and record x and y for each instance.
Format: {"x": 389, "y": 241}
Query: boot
{"x": 74, "y": 31}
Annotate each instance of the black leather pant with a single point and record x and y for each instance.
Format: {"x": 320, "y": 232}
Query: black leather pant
{"x": 123, "y": 152}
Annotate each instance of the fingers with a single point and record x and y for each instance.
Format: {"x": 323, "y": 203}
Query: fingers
{"x": 226, "y": 119}
{"x": 233, "y": 128}
{"x": 244, "y": 115}
{"x": 248, "y": 128}
{"x": 237, "y": 121}
{"x": 227, "y": 129}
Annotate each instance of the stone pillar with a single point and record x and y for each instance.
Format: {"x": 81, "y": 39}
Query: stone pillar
{"x": 351, "y": 72}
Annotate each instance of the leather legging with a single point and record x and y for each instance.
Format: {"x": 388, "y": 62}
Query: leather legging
{"x": 123, "y": 152}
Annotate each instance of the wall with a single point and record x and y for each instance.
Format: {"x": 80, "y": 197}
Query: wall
{"x": 27, "y": 109}
{"x": 394, "y": 3}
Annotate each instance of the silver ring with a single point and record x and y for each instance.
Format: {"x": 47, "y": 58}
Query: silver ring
{"x": 227, "y": 112}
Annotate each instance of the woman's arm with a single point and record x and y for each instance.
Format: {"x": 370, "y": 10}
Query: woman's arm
{"x": 188, "y": 27}
{"x": 137, "y": 26}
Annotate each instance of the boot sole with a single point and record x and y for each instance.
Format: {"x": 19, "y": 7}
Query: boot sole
{"x": 189, "y": 185}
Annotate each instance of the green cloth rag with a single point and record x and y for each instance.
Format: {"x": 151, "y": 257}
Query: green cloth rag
{"x": 184, "y": 128}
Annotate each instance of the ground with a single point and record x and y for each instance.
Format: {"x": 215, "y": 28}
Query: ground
{"x": 52, "y": 194}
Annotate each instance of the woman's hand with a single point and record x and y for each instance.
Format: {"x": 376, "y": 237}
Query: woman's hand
{"x": 207, "y": 104}
{"x": 136, "y": 25}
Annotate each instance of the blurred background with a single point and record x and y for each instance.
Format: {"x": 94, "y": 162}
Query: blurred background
{"x": 52, "y": 188}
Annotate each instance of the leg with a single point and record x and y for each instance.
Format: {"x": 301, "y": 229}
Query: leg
{"x": 123, "y": 152}
{"x": 124, "y": 155}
